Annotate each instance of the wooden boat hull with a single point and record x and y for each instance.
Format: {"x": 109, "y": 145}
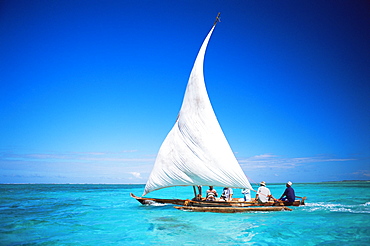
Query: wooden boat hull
{"x": 233, "y": 209}
{"x": 204, "y": 203}
{"x": 149, "y": 201}
{"x": 235, "y": 203}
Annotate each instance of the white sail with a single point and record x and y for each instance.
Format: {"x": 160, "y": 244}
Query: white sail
{"x": 196, "y": 152}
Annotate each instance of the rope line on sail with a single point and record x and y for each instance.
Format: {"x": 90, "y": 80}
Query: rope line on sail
{"x": 252, "y": 180}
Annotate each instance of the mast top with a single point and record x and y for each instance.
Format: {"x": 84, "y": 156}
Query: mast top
{"x": 217, "y": 19}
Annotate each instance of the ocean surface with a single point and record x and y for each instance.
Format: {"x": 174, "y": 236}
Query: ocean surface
{"x": 69, "y": 214}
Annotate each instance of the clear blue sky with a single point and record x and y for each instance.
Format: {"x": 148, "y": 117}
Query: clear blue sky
{"x": 90, "y": 89}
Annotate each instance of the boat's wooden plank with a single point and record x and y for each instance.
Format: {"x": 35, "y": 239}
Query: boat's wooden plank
{"x": 233, "y": 209}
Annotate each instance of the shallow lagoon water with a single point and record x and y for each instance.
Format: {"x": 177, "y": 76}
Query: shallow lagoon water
{"x": 41, "y": 214}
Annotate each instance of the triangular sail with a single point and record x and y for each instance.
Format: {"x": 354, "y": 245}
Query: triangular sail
{"x": 196, "y": 152}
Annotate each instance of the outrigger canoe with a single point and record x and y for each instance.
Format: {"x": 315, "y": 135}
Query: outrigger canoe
{"x": 203, "y": 203}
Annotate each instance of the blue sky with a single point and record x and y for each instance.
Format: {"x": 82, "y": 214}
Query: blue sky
{"x": 90, "y": 89}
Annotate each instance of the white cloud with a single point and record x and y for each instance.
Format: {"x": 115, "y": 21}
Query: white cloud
{"x": 365, "y": 173}
{"x": 123, "y": 156}
{"x": 136, "y": 175}
{"x": 275, "y": 161}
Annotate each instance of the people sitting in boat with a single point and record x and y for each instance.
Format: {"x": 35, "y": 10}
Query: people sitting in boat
{"x": 263, "y": 193}
{"x": 247, "y": 195}
{"x": 288, "y": 197}
{"x": 211, "y": 194}
{"x": 227, "y": 194}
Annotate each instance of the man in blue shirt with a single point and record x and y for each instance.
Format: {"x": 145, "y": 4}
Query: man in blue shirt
{"x": 288, "y": 196}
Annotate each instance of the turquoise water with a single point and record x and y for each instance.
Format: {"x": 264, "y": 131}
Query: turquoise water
{"x": 335, "y": 214}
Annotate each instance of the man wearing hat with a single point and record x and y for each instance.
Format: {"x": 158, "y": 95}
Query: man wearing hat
{"x": 288, "y": 195}
{"x": 263, "y": 193}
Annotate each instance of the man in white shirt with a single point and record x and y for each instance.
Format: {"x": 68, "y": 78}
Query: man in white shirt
{"x": 263, "y": 193}
{"x": 247, "y": 194}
